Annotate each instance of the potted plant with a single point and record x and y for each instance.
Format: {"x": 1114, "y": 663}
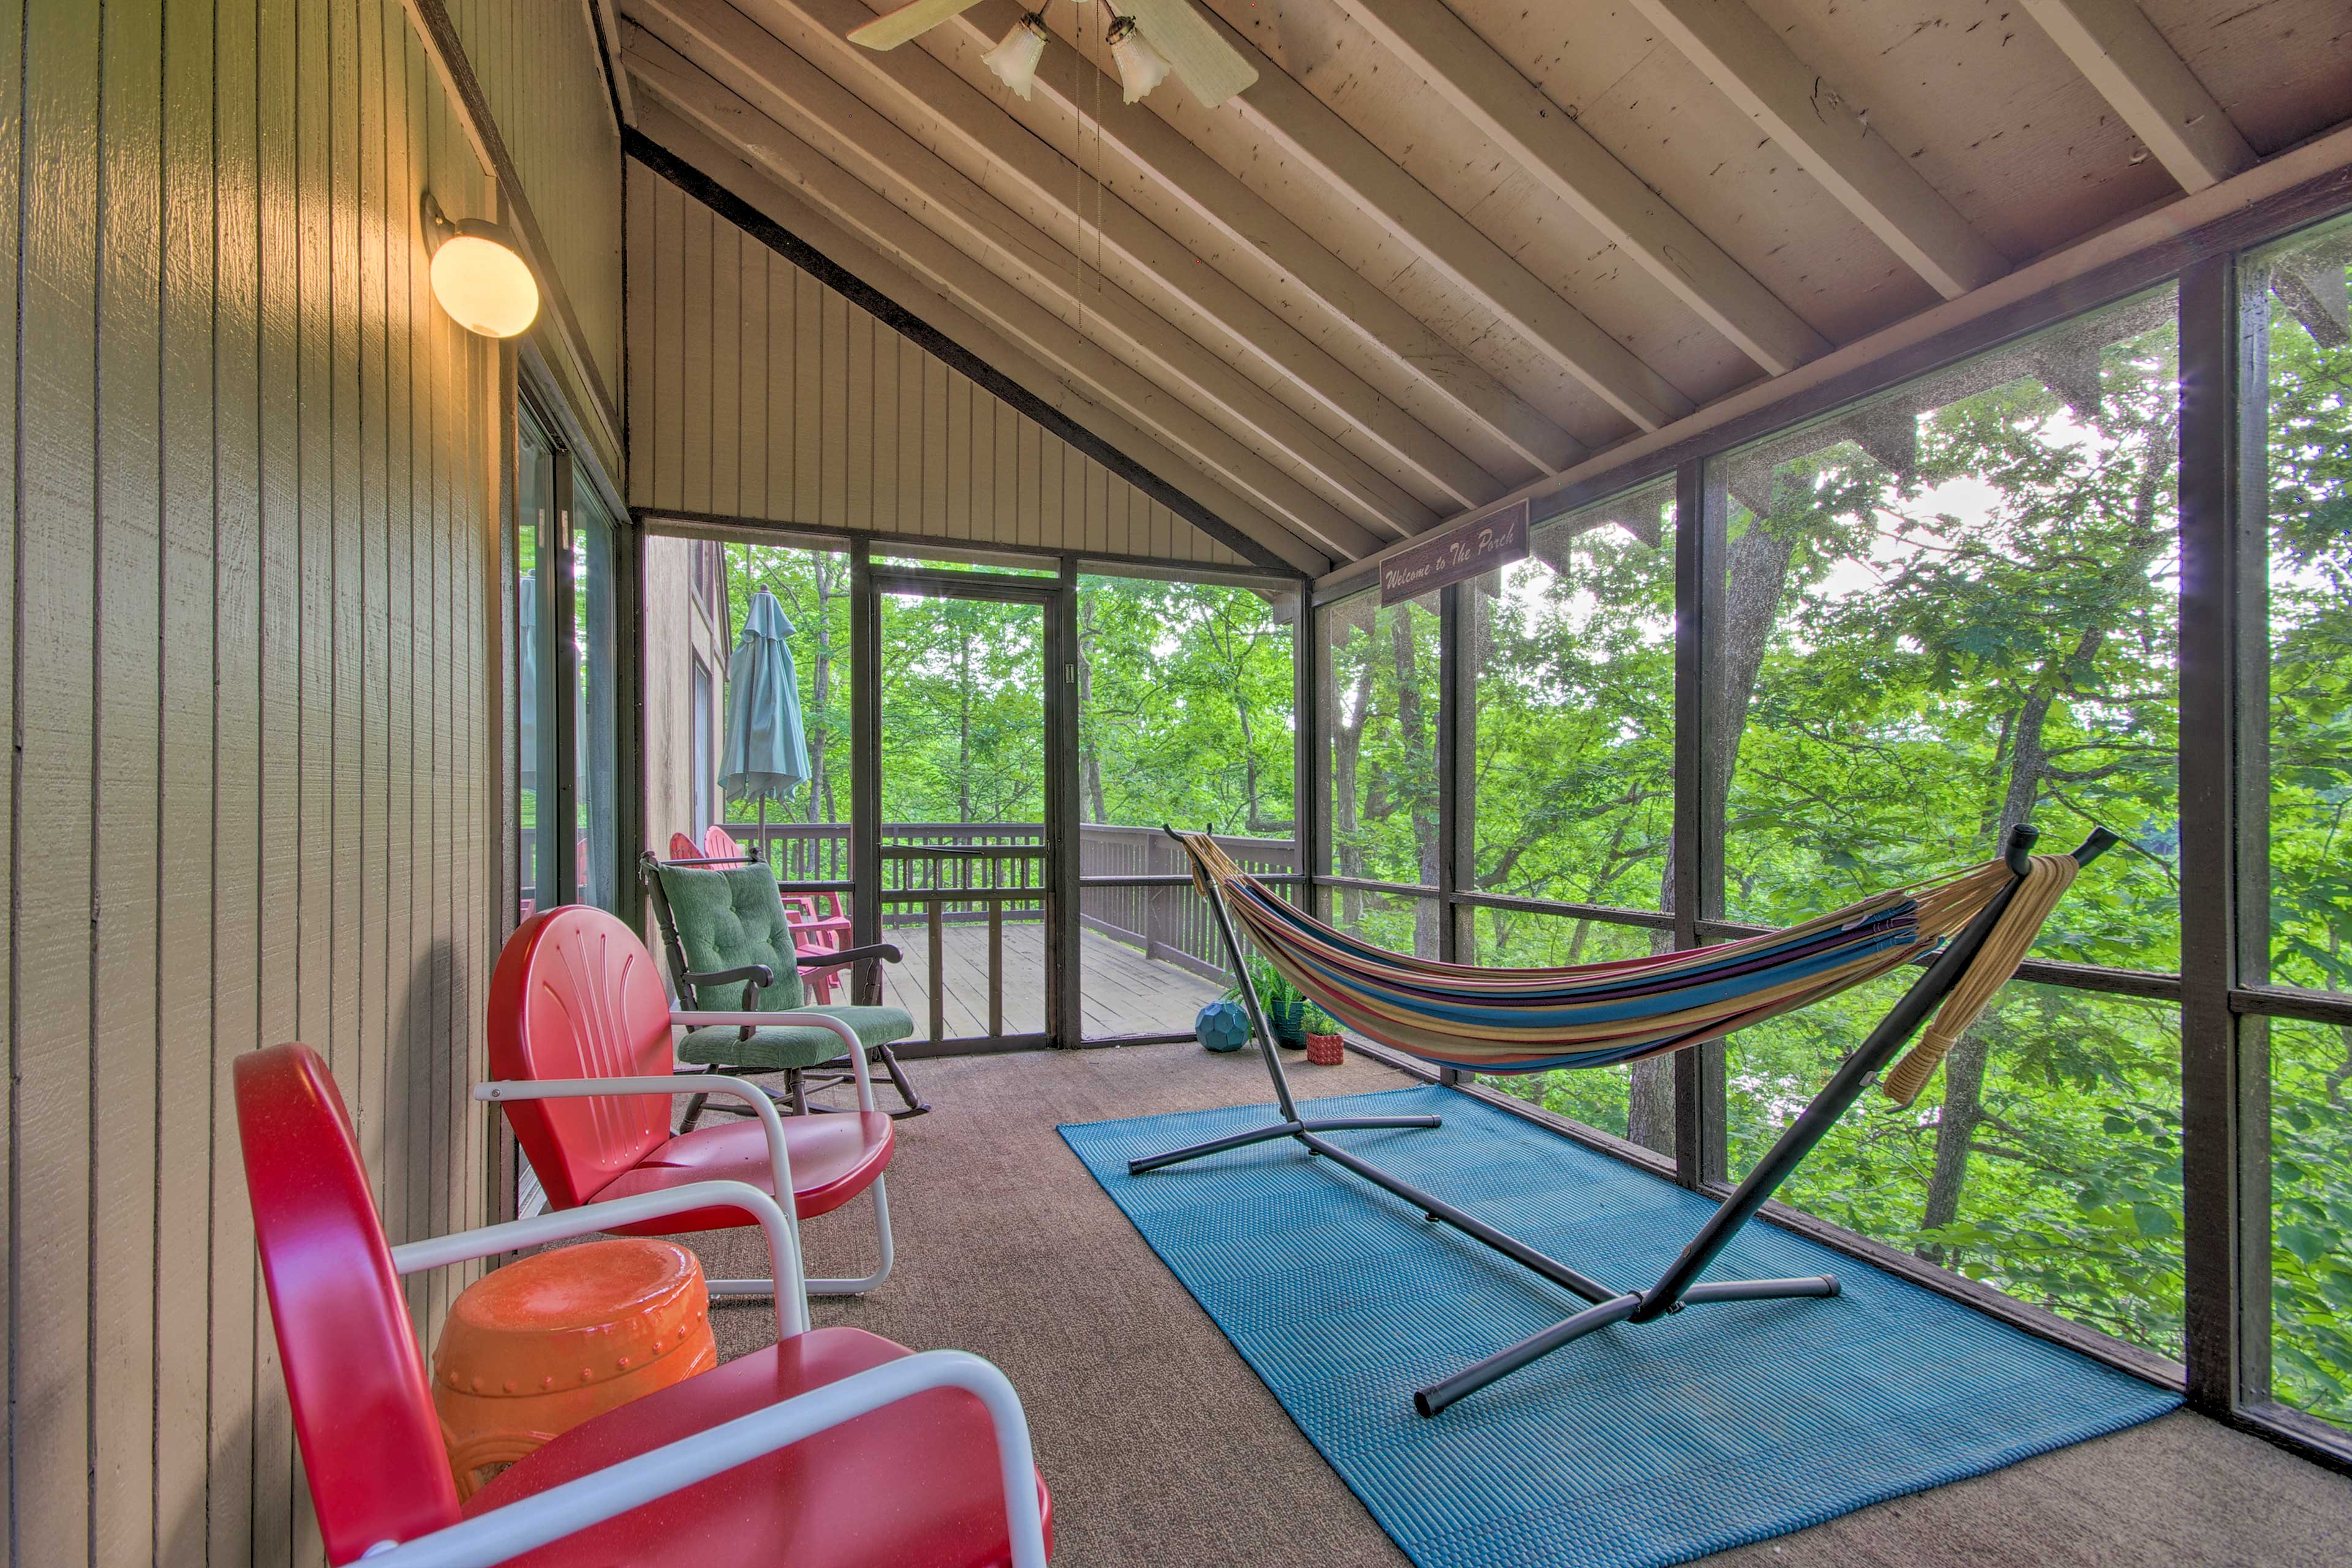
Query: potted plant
{"x": 1285, "y": 1009}
{"x": 1325, "y": 1046}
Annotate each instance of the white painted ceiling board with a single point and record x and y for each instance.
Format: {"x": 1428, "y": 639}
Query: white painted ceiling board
{"x": 1998, "y": 120}
{"x": 1241, "y": 136}
{"x": 908, "y": 242}
{"x": 1660, "y": 116}
{"x": 1373, "y": 252}
{"x": 800, "y": 95}
{"x": 962, "y": 124}
{"x": 666, "y": 127}
{"x": 1130, "y": 153}
{"x": 1487, "y": 90}
{"x": 1753, "y": 196}
{"x": 1285, "y": 301}
{"x": 2121, "y": 54}
{"x": 2281, "y": 69}
{"x": 1387, "y": 103}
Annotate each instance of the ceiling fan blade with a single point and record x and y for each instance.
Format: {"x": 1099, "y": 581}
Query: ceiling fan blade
{"x": 892, "y": 28}
{"x": 1193, "y": 48}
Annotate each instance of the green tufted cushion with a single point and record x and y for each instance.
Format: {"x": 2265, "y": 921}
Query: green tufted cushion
{"x": 793, "y": 1046}
{"x": 727, "y": 917}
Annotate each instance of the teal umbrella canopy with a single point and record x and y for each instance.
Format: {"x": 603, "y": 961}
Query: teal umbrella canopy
{"x": 765, "y": 755}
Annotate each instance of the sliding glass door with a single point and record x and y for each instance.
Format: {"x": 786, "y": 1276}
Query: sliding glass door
{"x": 566, "y": 551}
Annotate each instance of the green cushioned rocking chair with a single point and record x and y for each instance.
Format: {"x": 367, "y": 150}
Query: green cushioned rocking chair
{"x": 723, "y": 925}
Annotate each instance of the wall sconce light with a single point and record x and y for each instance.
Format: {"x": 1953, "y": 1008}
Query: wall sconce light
{"x": 478, "y": 274}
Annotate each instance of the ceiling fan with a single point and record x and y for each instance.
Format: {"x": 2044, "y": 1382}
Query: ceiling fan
{"x": 1148, "y": 39}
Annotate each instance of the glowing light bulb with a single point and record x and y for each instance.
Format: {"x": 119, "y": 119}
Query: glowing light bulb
{"x": 1140, "y": 66}
{"x": 1014, "y": 58}
{"x": 481, "y": 278}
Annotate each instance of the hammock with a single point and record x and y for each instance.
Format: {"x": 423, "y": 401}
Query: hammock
{"x": 1596, "y": 1015}
{"x": 1526, "y": 1020}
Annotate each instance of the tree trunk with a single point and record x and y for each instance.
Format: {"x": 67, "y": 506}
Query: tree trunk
{"x": 1346, "y": 751}
{"x": 818, "y": 734}
{"x": 2029, "y": 761}
{"x": 1092, "y": 768}
{"x": 1421, "y": 809}
{"x": 1956, "y": 1131}
{"x": 963, "y": 734}
{"x": 1756, "y": 575}
{"x": 1253, "y": 821}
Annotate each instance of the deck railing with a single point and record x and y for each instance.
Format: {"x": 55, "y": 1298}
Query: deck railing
{"x": 921, "y": 861}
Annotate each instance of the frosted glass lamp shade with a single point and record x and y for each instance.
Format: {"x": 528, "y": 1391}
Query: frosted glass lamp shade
{"x": 1140, "y": 66}
{"x": 1014, "y": 58}
{"x": 481, "y": 279}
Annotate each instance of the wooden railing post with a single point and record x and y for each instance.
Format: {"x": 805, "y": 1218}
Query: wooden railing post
{"x": 995, "y": 967}
{"x": 1158, "y": 860}
{"x": 938, "y": 967}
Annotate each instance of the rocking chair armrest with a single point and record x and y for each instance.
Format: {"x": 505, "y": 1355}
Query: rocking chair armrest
{"x": 563, "y": 1224}
{"x": 850, "y": 1044}
{"x": 780, "y": 1161}
{"x": 533, "y": 1522}
{"x": 888, "y": 952}
{"x": 757, "y": 977}
{"x": 761, "y": 974}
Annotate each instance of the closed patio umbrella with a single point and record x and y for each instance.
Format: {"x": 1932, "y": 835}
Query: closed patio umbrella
{"x": 764, "y": 754}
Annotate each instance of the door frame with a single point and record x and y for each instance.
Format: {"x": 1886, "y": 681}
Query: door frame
{"x": 1057, "y": 597}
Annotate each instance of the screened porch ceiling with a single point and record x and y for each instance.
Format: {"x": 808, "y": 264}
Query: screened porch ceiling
{"x": 1438, "y": 253}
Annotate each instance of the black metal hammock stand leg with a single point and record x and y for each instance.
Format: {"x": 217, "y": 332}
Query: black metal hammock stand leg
{"x": 1680, "y": 1286}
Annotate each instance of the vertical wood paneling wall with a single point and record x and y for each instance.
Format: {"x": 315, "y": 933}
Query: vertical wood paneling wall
{"x": 756, "y": 391}
{"x": 252, "y": 489}
{"x": 540, "y": 69}
{"x": 678, "y": 633}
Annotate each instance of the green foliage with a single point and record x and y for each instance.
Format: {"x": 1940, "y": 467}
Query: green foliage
{"x": 1274, "y": 990}
{"x": 1187, "y": 713}
{"x": 813, "y": 586}
{"x": 1937, "y": 621}
{"x": 1985, "y": 636}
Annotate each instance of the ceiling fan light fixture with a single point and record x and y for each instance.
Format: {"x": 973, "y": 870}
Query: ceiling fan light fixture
{"x": 1140, "y": 66}
{"x": 1014, "y": 58}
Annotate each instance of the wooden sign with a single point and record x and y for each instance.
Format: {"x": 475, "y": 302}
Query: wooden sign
{"x": 1455, "y": 554}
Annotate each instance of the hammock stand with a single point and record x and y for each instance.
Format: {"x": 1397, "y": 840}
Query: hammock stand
{"x": 1680, "y": 1286}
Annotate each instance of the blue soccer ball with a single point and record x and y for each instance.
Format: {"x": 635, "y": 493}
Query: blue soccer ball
{"x": 1223, "y": 1027}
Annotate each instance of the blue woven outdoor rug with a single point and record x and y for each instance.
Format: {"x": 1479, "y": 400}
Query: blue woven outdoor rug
{"x": 1632, "y": 1447}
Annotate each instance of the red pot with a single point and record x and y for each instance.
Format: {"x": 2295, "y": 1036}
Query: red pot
{"x": 1325, "y": 1050}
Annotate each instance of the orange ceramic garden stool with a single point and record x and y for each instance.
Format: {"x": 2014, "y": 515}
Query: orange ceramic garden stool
{"x": 536, "y": 1348}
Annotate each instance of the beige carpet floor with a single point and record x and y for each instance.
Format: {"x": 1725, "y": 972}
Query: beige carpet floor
{"x": 1163, "y": 1449}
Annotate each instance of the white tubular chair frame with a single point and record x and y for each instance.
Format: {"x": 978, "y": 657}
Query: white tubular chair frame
{"x": 772, "y": 1125}
{"x": 534, "y": 1522}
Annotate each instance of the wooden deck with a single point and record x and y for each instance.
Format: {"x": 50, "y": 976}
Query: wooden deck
{"x": 1122, "y": 992}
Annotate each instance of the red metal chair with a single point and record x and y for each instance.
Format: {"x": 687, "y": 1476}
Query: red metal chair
{"x": 581, "y": 1060}
{"x": 831, "y": 1445}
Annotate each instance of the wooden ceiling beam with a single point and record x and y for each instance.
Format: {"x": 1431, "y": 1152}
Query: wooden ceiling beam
{"x": 1411, "y": 363}
{"x": 921, "y": 94}
{"x": 1105, "y": 377}
{"x": 1342, "y": 500}
{"x": 1548, "y": 145}
{"x": 2119, "y": 51}
{"x": 1116, "y": 442}
{"x": 1312, "y": 132}
{"x": 1738, "y": 52}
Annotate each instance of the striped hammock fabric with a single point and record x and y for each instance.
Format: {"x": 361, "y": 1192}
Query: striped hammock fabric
{"x": 1595, "y": 1015}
